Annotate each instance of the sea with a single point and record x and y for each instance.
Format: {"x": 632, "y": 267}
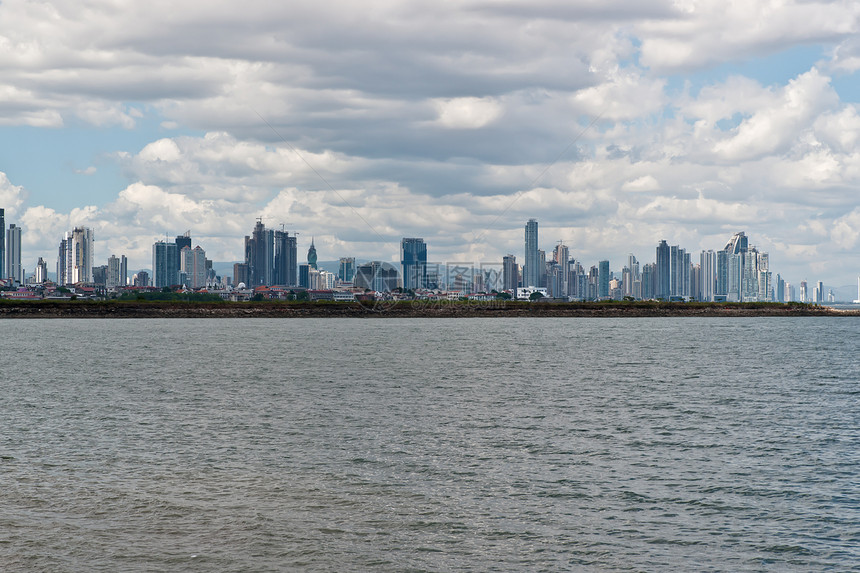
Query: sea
{"x": 498, "y": 444}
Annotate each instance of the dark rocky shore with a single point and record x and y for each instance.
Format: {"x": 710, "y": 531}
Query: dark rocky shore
{"x": 414, "y": 309}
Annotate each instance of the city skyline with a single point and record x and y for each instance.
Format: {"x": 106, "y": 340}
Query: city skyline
{"x": 739, "y": 271}
{"x": 615, "y": 128}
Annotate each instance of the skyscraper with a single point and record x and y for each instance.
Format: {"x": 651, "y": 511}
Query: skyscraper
{"x": 510, "y": 273}
{"x": 115, "y": 277}
{"x": 532, "y": 270}
{"x": 561, "y": 256}
{"x": 662, "y": 280}
{"x": 312, "y": 255}
{"x": 259, "y": 256}
{"x": 286, "y": 259}
{"x": 708, "y": 266}
{"x": 194, "y": 266}
{"x": 13, "y": 254}
{"x": 164, "y": 269}
{"x": 346, "y": 269}
{"x": 2, "y": 241}
{"x": 413, "y": 263}
{"x": 75, "y": 257}
{"x": 603, "y": 280}
{"x": 182, "y": 241}
{"x": 41, "y": 271}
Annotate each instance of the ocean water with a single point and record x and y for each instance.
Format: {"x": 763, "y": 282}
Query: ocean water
{"x": 430, "y": 445}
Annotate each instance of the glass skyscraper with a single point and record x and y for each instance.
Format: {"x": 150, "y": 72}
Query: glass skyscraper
{"x": 13, "y": 254}
{"x": 413, "y": 263}
{"x": 259, "y": 256}
{"x": 662, "y": 278}
{"x": 164, "y": 268}
{"x": 346, "y": 269}
{"x": 2, "y": 241}
{"x": 532, "y": 270}
{"x": 286, "y": 259}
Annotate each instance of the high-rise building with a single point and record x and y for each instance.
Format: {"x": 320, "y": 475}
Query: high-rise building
{"x": 532, "y": 269}
{"x": 561, "y": 256}
{"x": 376, "y": 276}
{"x": 346, "y": 269}
{"x": 708, "y": 270}
{"x": 413, "y": 263}
{"x": 286, "y": 259}
{"x": 194, "y": 266}
{"x": 14, "y": 270}
{"x": 630, "y": 276}
{"x": 603, "y": 279}
{"x": 182, "y": 241}
{"x": 164, "y": 270}
{"x": 117, "y": 272}
{"x": 662, "y": 276}
{"x": 305, "y": 276}
{"x": 240, "y": 274}
{"x": 141, "y": 279}
{"x": 2, "y": 241}
{"x": 41, "y": 274}
{"x": 510, "y": 272}
{"x": 721, "y": 288}
{"x": 312, "y": 255}
{"x": 259, "y": 256}
{"x": 100, "y": 275}
{"x": 75, "y": 257}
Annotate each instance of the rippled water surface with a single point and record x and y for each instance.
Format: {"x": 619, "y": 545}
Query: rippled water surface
{"x": 437, "y": 445}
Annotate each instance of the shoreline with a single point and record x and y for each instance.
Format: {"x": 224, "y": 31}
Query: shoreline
{"x": 405, "y": 309}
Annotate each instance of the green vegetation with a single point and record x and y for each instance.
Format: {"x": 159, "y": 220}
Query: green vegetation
{"x": 168, "y": 296}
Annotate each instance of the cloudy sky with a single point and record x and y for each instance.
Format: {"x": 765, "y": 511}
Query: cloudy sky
{"x": 614, "y": 123}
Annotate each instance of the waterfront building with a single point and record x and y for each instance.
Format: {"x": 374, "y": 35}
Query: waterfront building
{"x": 510, "y": 272}
{"x": 164, "y": 268}
{"x": 141, "y": 279}
{"x": 75, "y": 257}
{"x": 117, "y": 272}
{"x": 721, "y": 289}
{"x": 346, "y": 269}
{"x": 312, "y": 255}
{"x": 531, "y": 270}
{"x": 304, "y": 276}
{"x": 708, "y": 271}
{"x": 182, "y": 241}
{"x": 661, "y": 271}
{"x": 286, "y": 259}
{"x": 194, "y": 267}
{"x": 376, "y": 276}
{"x": 240, "y": 274}
{"x": 413, "y": 263}
{"x": 259, "y": 256}
{"x": 561, "y": 256}
{"x": 804, "y": 296}
{"x": 41, "y": 275}
{"x": 14, "y": 270}
{"x": 603, "y": 280}
{"x": 630, "y": 276}
{"x": 2, "y": 241}
{"x": 541, "y": 268}
{"x": 100, "y": 275}
{"x": 858, "y": 291}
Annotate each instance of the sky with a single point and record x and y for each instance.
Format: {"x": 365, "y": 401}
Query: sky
{"x": 615, "y": 124}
